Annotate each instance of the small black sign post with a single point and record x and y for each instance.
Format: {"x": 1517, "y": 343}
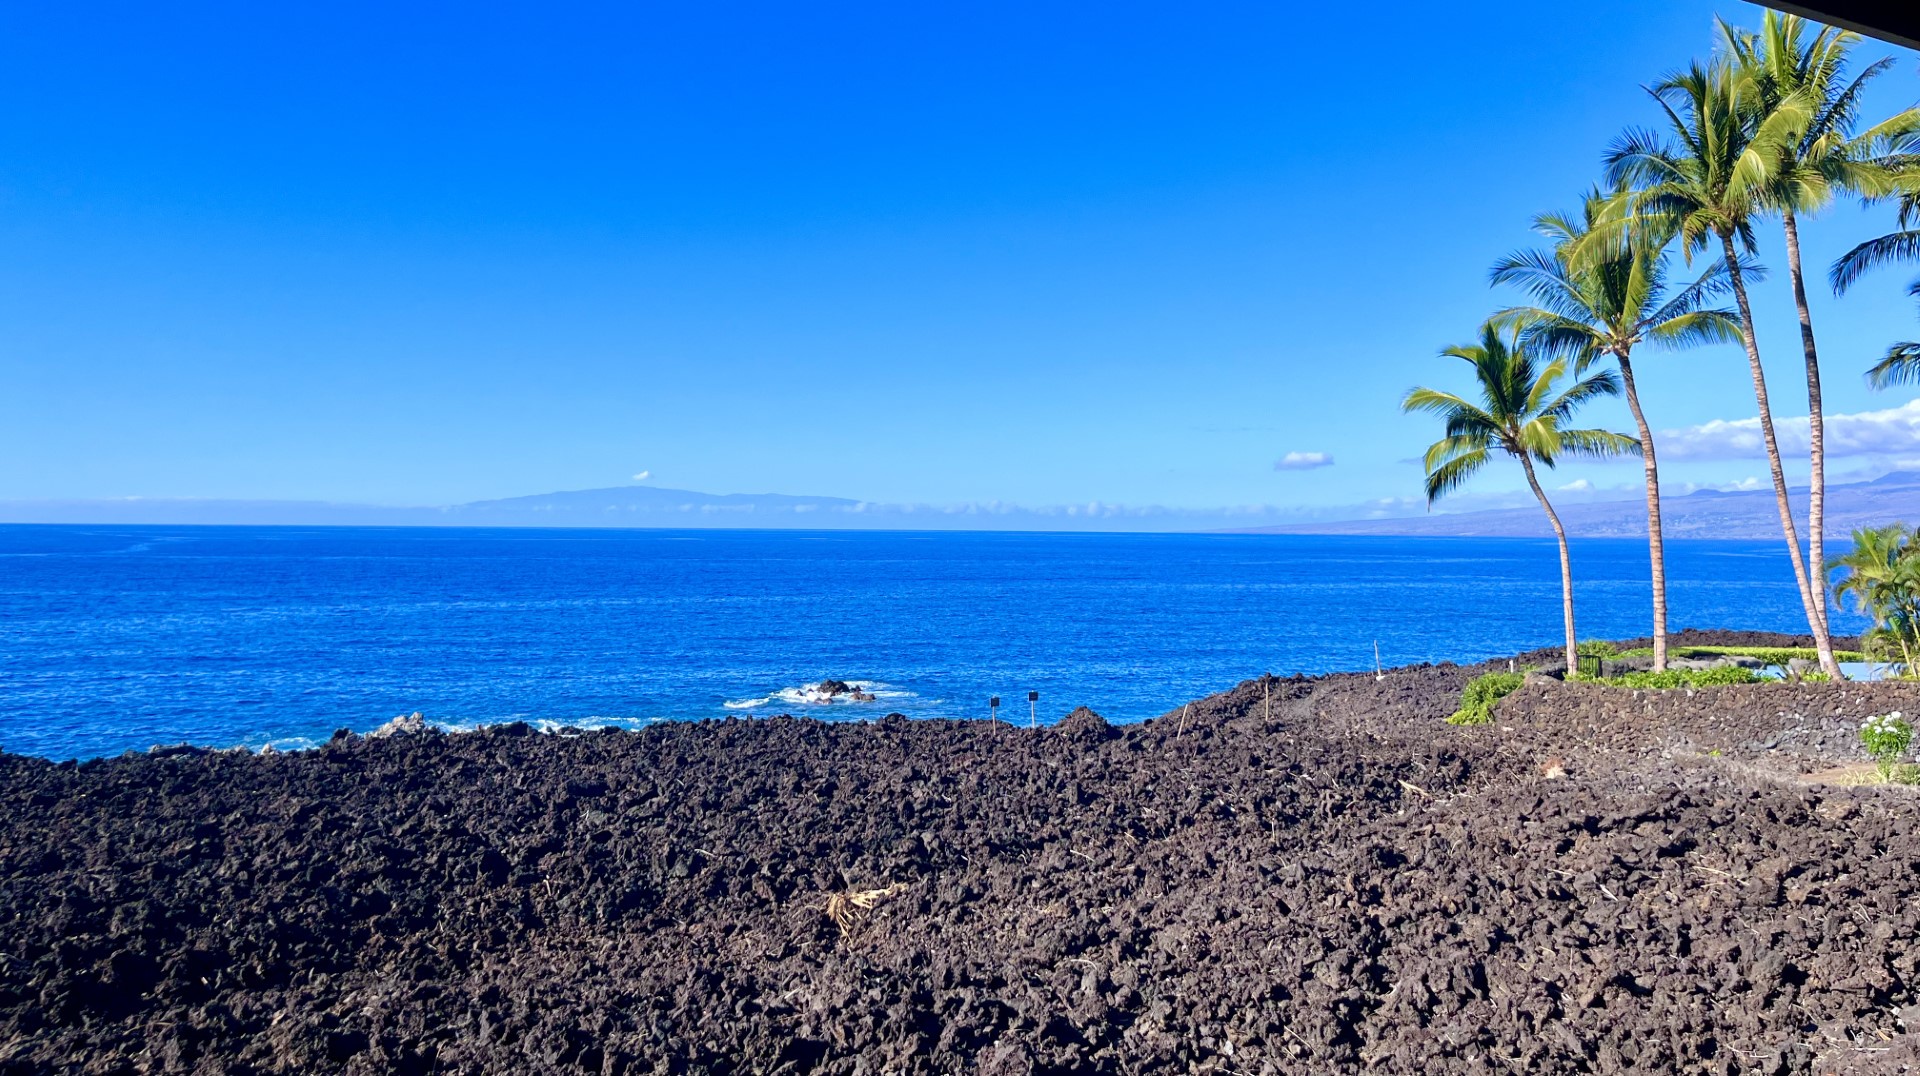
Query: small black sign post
{"x": 1033, "y": 709}
{"x": 993, "y": 709}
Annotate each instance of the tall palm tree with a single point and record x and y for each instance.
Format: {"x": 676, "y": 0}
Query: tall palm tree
{"x": 1707, "y": 182}
{"x": 1901, "y": 365}
{"x": 1792, "y": 63}
{"x": 1521, "y": 412}
{"x": 1592, "y": 309}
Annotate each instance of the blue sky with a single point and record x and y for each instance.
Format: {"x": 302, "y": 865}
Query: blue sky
{"x": 428, "y": 254}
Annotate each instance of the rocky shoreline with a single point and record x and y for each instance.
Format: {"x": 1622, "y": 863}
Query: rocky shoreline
{"x": 1296, "y": 875}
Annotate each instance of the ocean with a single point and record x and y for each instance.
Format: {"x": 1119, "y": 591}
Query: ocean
{"x": 117, "y": 638}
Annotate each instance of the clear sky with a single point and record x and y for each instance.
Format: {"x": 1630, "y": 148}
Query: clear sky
{"x": 1041, "y": 253}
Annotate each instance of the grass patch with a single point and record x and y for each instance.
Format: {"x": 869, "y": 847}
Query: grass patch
{"x": 1476, "y": 702}
{"x": 1772, "y": 655}
{"x": 1719, "y": 676}
{"x": 1867, "y": 775}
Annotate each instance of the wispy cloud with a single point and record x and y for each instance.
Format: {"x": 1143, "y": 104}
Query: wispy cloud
{"x": 1892, "y": 432}
{"x": 1303, "y": 461}
{"x": 643, "y": 476}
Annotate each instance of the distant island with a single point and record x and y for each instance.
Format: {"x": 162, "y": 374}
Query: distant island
{"x": 1701, "y": 514}
{"x": 1742, "y": 514}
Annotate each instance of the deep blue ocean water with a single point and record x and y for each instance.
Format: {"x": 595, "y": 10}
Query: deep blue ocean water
{"x": 118, "y": 638}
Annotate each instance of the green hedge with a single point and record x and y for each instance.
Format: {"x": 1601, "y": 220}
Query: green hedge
{"x": 1719, "y": 676}
{"x": 1772, "y": 655}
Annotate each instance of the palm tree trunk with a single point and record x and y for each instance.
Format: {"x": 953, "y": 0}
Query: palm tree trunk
{"x": 1656, "y": 542}
{"x": 1817, "y": 455}
{"x": 1766, "y": 432}
{"x": 1566, "y": 567}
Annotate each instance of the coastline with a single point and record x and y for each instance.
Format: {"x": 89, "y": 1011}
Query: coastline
{"x": 1295, "y": 873}
{"x": 124, "y": 640}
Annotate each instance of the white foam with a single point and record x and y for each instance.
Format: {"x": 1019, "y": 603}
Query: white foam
{"x": 288, "y": 743}
{"x": 547, "y": 724}
{"x": 811, "y": 695}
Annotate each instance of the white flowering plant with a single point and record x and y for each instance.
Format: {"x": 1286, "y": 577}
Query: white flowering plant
{"x": 1887, "y": 738}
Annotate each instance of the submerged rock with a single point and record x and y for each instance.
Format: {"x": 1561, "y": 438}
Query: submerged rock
{"x": 829, "y": 690}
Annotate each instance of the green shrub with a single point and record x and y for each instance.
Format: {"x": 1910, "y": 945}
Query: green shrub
{"x": 1598, "y": 648}
{"x": 1476, "y": 702}
{"x": 1718, "y": 676}
{"x": 1772, "y": 655}
{"x": 1722, "y": 675}
{"x": 1887, "y": 738}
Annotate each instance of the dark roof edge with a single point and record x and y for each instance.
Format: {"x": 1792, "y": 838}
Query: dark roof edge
{"x": 1870, "y": 17}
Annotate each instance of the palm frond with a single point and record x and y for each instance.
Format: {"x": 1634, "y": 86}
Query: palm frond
{"x": 1454, "y": 473}
{"x": 1544, "y": 278}
{"x": 1597, "y": 444}
{"x": 1698, "y": 328}
{"x": 1554, "y": 336}
{"x": 1640, "y": 158}
{"x": 1449, "y": 448}
{"x": 1901, "y": 366}
{"x": 1872, "y": 254}
{"x": 1434, "y": 401}
{"x": 1583, "y": 391}
{"x": 1538, "y": 389}
{"x": 1715, "y": 282}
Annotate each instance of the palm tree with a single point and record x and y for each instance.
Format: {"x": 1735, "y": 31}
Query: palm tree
{"x": 1603, "y": 307}
{"x": 1707, "y": 186}
{"x": 1824, "y": 155}
{"x": 1883, "y": 578}
{"x": 1521, "y": 411}
{"x": 1901, "y": 365}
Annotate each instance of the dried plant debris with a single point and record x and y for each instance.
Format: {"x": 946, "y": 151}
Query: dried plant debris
{"x": 846, "y": 909}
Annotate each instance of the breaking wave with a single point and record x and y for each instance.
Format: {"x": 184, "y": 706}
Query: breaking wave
{"x": 811, "y": 695}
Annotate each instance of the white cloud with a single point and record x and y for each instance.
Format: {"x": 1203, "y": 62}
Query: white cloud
{"x": 1578, "y": 485}
{"x": 643, "y": 476}
{"x": 1892, "y": 432}
{"x": 1681, "y": 489}
{"x": 1303, "y": 461}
